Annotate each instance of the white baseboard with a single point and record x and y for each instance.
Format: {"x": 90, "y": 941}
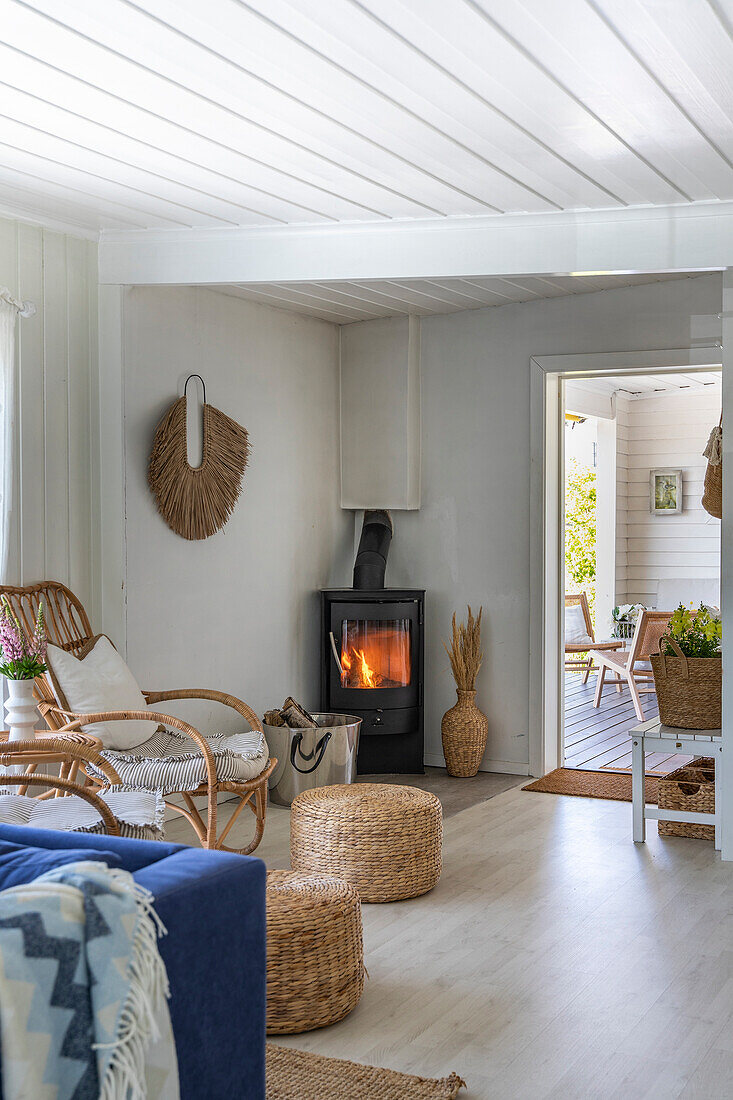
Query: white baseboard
{"x": 508, "y": 767}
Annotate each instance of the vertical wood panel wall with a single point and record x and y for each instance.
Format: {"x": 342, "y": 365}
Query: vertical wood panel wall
{"x": 54, "y": 508}
{"x": 657, "y": 432}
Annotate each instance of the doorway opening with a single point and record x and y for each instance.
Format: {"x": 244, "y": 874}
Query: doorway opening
{"x": 635, "y": 543}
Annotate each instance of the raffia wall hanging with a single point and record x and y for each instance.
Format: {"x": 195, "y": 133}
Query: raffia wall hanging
{"x": 196, "y": 502}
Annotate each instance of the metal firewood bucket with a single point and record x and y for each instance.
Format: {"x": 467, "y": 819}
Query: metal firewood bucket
{"x": 309, "y": 758}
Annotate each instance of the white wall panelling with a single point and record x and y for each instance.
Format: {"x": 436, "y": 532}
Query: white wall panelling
{"x": 380, "y": 414}
{"x": 111, "y": 537}
{"x": 667, "y": 431}
{"x": 55, "y": 508}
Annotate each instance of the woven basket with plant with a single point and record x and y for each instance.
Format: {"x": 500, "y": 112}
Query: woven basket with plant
{"x": 688, "y": 673}
{"x": 464, "y": 728}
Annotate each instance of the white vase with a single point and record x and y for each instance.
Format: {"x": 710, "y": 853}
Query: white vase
{"x": 22, "y": 714}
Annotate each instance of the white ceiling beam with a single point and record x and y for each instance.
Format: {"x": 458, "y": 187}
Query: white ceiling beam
{"x": 694, "y": 237}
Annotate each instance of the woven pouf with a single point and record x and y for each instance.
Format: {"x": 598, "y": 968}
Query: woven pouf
{"x": 385, "y": 840}
{"x": 315, "y": 953}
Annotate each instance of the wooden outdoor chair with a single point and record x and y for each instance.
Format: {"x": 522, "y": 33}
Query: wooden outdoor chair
{"x": 589, "y": 643}
{"x": 632, "y": 666}
{"x": 68, "y": 626}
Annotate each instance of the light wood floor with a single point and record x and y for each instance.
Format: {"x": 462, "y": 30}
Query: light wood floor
{"x": 554, "y": 959}
{"x": 598, "y": 738}
{"x": 454, "y": 794}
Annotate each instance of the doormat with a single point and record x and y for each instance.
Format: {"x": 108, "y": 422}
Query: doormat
{"x": 300, "y": 1075}
{"x": 586, "y": 784}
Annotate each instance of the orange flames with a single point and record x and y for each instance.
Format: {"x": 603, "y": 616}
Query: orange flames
{"x": 364, "y": 676}
{"x": 376, "y": 658}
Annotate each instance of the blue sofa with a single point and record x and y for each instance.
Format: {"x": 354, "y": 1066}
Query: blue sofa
{"x": 213, "y": 905}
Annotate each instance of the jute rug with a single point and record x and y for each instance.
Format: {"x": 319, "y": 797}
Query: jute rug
{"x": 611, "y": 785}
{"x": 300, "y": 1075}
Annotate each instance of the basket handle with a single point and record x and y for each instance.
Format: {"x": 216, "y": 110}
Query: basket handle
{"x": 318, "y": 751}
{"x": 675, "y": 647}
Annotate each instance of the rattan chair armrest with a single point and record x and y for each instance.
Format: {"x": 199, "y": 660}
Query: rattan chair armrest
{"x": 66, "y": 744}
{"x": 206, "y": 693}
{"x": 79, "y": 720}
{"x": 109, "y": 819}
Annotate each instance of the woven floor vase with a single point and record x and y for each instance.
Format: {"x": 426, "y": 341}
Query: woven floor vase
{"x": 315, "y": 954}
{"x": 464, "y": 730}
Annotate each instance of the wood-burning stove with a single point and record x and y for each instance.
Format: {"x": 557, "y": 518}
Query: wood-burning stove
{"x": 372, "y": 657}
{"x": 372, "y": 666}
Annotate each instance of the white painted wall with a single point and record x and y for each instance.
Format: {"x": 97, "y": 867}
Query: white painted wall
{"x": 380, "y": 413}
{"x": 238, "y": 611}
{"x": 656, "y": 432}
{"x": 470, "y": 541}
{"x": 55, "y": 515}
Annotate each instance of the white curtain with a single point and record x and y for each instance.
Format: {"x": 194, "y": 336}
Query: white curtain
{"x": 10, "y": 309}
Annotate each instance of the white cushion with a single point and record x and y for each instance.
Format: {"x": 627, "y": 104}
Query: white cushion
{"x": 99, "y": 680}
{"x": 139, "y": 813}
{"x": 676, "y": 590}
{"x": 576, "y": 632}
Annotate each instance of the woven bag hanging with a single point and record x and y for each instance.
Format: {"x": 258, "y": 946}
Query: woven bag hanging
{"x": 712, "y": 497}
{"x": 196, "y": 502}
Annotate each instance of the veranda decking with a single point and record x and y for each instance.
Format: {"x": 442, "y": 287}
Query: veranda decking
{"x": 599, "y": 740}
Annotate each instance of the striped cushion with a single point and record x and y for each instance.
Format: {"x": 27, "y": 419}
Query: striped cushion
{"x": 139, "y": 813}
{"x": 166, "y": 763}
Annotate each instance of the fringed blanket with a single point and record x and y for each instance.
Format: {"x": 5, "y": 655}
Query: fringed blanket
{"x": 83, "y": 989}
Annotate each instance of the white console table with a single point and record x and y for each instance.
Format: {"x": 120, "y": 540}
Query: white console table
{"x": 652, "y": 736}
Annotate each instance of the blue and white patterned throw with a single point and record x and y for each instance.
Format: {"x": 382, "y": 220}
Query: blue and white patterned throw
{"x": 83, "y": 1011}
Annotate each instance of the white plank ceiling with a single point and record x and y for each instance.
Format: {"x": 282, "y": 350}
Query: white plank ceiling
{"x": 345, "y": 302}
{"x": 132, "y": 114}
{"x": 639, "y": 387}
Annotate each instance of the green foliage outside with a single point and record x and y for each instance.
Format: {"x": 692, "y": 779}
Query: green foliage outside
{"x": 697, "y": 633}
{"x": 580, "y": 531}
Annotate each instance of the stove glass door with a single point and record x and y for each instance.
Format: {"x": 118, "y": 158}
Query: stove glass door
{"x": 376, "y": 653}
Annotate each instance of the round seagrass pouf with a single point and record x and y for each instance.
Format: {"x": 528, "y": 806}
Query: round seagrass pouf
{"x": 315, "y": 953}
{"x": 386, "y": 840}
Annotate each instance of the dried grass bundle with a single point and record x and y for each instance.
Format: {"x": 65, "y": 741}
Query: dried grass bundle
{"x": 464, "y": 652}
{"x": 196, "y": 502}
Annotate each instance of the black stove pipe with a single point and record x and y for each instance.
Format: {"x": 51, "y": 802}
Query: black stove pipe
{"x": 371, "y": 557}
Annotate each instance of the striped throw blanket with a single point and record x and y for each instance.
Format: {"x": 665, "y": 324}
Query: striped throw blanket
{"x": 83, "y": 1011}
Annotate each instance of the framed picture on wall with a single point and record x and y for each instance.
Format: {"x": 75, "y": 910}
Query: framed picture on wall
{"x": 665, "y": 492}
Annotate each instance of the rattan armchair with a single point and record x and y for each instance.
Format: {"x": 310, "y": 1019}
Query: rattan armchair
{"x": 632, "y": 667}
{"x": 585, "y": 659}
{"x": 68, "y": 626}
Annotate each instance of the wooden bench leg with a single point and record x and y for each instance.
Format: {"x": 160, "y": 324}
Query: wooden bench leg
{"x": 718, "y": 799}
{"x": 599, "y": 685}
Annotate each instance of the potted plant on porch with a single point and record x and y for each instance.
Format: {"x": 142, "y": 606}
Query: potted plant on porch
{"x": 23, "y": 658}
{"x": 688, "y": 673}
{"x": 464, "y": 727}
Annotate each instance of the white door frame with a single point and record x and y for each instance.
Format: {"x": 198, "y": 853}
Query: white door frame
{"x": 546, "y": 522}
